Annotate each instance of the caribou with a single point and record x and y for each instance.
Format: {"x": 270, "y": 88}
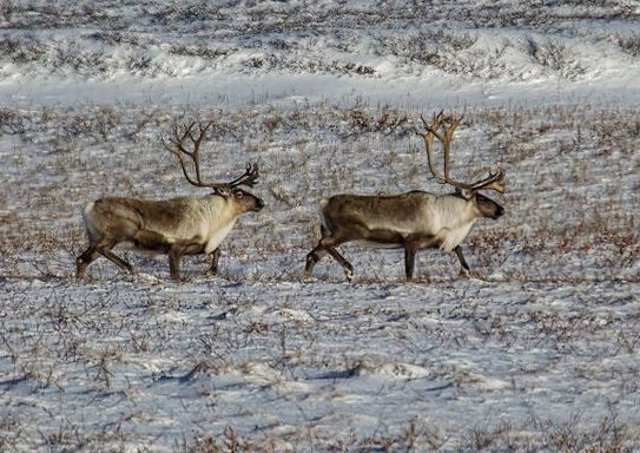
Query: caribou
{"x": 176, "y": 227}
{"x": 413, "y": 220}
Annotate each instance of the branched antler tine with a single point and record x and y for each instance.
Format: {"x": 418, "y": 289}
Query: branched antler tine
{"x": 180, "y": 138}
{"x": 448, "y": 126}
{"x": 195, "y": 154}
{"x": 446, "y": 141}
{"x": 495, "y": 181}
{"x": 178, "y": 154}
{"x": 238, "y": 180}
{"x": 179, "y": 150}
{"x": 205, "y": 128}
{"x": 184, "y": 169}
{"x": 252, "y": 178}
{"x": 248, "y": 178}
{"x": 202, "y": 129}
{"x": 428, "y": 143}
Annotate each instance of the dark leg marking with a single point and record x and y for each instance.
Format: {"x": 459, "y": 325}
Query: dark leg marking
{"x": 324, "y": 247}
{"x": 328, "y": 243}
{"x": 121, "y": 263}
{"x": 465, "y": 271}
{"x": 104, "y": 249}
{"x": 177, "y": 251}
{"x": 411, "y": 245}
{"x": 83, "y": 261}
{"x": 313, "y": 257}
{"x": 409, "y": 260}
{"x": 215, "y": 257}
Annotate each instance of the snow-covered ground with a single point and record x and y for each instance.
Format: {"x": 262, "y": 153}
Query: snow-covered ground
{"x": 538, "y": 351}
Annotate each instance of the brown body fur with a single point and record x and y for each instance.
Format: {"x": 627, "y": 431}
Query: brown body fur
{"x": 414, "y": 220}
{"x": 177, "y": 227}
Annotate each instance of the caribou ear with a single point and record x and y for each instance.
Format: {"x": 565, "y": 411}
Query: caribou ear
{"x": 223, "y": 191}
{"x": 466, "y": 193}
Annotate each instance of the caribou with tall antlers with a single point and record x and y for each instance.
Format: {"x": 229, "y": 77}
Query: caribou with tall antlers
{"x": 178, "y": 226}
{"x": 414, "y": 220}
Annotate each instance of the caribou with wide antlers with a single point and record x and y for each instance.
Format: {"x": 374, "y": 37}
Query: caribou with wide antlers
{"x": 414, "y": 220}
{"x": 178, "y": 226}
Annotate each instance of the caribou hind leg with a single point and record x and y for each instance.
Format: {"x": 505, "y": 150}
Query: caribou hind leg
{"x": 83, "y": 261}
{"x": 321, "y": 251}
{"x": 313, "y": 257}
{"x": 326, "y": 246}
{"x": 348, "y": 268}
{"x": 316, "y": 254}
{"x": 92, "y": 252}
{"x": 120, "y": 262}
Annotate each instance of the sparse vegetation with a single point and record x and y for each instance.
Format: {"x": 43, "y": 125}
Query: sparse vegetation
{"x": 537, "y": 352}
{"x": 630, "y": 44}
{"x": 264, "y": 37}
{"x": 556, "y": 56}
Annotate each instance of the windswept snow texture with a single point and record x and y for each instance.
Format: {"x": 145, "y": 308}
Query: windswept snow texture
{"x": 538, "y": 351}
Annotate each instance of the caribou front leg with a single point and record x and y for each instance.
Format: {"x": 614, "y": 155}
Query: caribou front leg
{"x": 464, "y": 270}
{"x": 409, "y": 259}
{"x": 215, "y": 257}
{"x": 178, "y": 250}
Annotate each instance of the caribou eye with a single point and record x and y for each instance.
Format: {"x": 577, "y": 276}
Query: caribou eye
{"x": 239, "y": 194}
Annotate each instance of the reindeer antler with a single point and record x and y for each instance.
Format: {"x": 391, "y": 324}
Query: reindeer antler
{"x": 249, "y": 178}
{"x": 448, "y": 125}
{"x": 443, "y": 128}
{"x": 495, "y": 181}
{"x": 195, "y": 133}
{"x": 176, "y": 146}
